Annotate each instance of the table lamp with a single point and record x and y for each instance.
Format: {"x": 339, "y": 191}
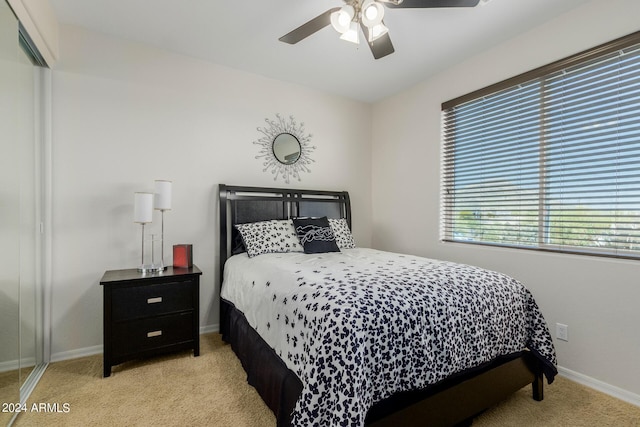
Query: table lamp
{"x": 162, "y": 202}
{"x": 143, "y": 214}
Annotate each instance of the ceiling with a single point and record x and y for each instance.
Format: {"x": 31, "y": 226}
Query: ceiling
{"x": 244, "y": 35}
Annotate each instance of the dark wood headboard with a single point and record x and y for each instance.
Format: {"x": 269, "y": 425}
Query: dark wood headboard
{"x": 240, "y": 205}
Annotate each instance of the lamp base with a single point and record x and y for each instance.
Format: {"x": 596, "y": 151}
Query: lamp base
{"x": 160, "y": 266}
{"x": 150, "y": 268}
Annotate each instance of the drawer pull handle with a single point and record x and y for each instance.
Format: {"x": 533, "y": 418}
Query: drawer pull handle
{"x": 154, "y": 334}
{"x": 154, "y": 300}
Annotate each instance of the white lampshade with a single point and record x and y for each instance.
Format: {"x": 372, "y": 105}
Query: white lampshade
{"x": 341, "y": 19}
{"x": 143, "y": 208}
{"x": 163, "y": 195}
{"x": 372, "y": 13}
{"x": 351, "y": 35}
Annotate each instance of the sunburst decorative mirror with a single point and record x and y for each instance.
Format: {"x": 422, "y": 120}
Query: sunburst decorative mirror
{"x": 285, "y": 148}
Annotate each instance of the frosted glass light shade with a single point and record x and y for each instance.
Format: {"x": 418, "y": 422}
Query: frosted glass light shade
{"x": 352, "y": 34}
{"x": 341, "y": 19}
{"x": 372, "y": 13}
{"x": 377, "y": 31}
{"x": 143, "y": 208}
{"x": 163, "y": 195}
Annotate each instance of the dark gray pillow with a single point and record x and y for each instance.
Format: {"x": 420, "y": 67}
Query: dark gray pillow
{"x": 316, "y": 235}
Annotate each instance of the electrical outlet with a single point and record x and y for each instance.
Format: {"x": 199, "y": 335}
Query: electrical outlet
{"x": 562, "y": 332}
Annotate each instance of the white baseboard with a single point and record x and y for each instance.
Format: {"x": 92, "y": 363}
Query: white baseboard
{"x": 98, "y": 349}
{"x": 598, "y": 385}
{"x": 10, "y": 365}
{"x": 209, "y": 328}
{"x": 13, "y": 365}
{"x": 74, "y": 354}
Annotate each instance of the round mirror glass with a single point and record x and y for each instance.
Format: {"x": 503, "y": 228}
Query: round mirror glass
{"x": 286, "y": 148}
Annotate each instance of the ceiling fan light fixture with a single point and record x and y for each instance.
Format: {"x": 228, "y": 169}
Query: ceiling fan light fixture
{"x": 351, "y": 35}
{"x": 377, "y": 31}
{"x": 341, "y": 20}
{"x": 372, "y": 13}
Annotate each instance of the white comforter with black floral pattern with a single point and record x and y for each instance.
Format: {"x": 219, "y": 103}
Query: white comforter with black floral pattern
{"x": 359, "y": 325}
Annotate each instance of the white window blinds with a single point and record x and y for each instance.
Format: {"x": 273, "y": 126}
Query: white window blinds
{"x": 550, "y": 159}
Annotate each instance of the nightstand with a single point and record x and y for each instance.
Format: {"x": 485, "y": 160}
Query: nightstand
{"x": 150, "y": 314}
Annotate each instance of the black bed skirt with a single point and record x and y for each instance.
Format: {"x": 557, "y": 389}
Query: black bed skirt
{"x": 280, "y": 388}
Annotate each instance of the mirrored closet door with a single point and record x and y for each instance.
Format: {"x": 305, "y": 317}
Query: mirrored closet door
{"x": 9, "y": 216}
{"x": 21, "y": 291}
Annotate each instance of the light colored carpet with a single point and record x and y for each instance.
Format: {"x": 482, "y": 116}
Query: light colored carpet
{"x": 9, "y": 393}
{"x": 211, "y": 390}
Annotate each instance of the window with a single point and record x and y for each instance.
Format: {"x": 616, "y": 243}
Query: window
{"x": 549, "y": 159}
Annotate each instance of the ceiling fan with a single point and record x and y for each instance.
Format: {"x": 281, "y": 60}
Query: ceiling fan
{"x": 367, "y": 15}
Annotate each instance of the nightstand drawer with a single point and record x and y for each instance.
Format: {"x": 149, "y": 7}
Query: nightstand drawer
{"x": 146, "y": 334}
{"x": 151, "y": 300}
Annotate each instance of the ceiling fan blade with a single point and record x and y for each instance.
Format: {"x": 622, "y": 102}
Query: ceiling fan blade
{"x": 406, "y": 4}
{"x": 305, "y": 30}
{"x": 381, "y": 46}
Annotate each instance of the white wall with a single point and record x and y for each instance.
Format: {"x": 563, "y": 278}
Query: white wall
{"x": 597, "y": 298}
{"x": 125, "y": 115}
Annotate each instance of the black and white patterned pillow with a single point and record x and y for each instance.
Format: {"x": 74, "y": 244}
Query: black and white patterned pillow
{"x": 344, "y": 238}
{"x": 315, "y": 235}
{"x": 269, "y": 237}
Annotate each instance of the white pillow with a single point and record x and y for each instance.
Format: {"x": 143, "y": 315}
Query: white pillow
{"x": 344, "y": 238}
{"x": 277, "y": 235}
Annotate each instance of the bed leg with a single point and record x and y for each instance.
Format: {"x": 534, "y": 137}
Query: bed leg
{"x": 538, "y": 387}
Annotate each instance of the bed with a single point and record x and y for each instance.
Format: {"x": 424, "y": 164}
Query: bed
{"x": 281, "y": 358}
